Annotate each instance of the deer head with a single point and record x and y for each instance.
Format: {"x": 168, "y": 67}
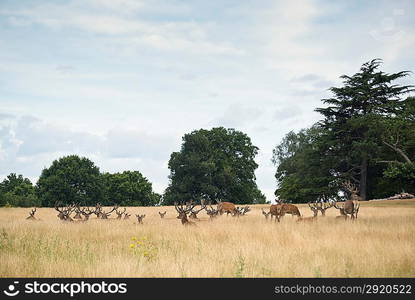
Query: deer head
{"x": 162, "y": 214}
{"x": 86, "y": 212}
{"x": 193, "y": 213}
{"x": 183, "y": 212}
{"x": 212, "y": 213}
{"x": 104, "y": 215}
{"x": 266, "y": 214}
{"x": 32, "y": 215}
{"x": 64, "y": 212}
{"x": 120, "y": 213}
{"x": 140, "y": 218}
{"x": 352, "y": 189}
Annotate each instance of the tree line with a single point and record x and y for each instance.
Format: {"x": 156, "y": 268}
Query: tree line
{"x": 366, "y": 135}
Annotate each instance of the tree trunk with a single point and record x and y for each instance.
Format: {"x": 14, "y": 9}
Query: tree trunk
{"x": 363, "y": 179}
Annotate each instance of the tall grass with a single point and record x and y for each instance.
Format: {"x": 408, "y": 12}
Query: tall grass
{"x": 380, "y": 243}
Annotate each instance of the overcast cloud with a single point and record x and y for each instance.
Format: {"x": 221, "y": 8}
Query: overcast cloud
{"x": 121, "y": 81}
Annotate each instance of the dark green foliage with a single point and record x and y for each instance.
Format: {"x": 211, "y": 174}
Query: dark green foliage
{"x": 304, "y": 172}
{"x": 130, "y": 188}
{"x": 216, "y": 164}
{"x": 71, "y": 179}
{"x": 366, "y": 136}
{"x": 17, "y": 191}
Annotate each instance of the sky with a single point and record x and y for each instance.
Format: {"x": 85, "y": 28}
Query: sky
{"x": 121, "y": 81}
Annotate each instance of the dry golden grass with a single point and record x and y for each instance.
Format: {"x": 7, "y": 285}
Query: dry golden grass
{"x": 381, "y": 243}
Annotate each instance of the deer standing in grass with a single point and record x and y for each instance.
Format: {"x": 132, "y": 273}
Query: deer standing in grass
{"x": 352, "y": 205}
{"x": 279, "y": 210}
{"x": 227, "y": 207}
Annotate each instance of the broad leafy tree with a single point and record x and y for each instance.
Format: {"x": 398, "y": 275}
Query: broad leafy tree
{"x": 71, "y": 179}
{"x": 15, "y": 190}
{"x": 303, "y": 171}
{"x": 130, "y": 188}
{"x": 216, "y": 164}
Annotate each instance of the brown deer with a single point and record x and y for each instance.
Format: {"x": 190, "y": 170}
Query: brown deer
{"x": 320, "y": 206}
{"x": 227, "y": 207}
{"x": 64, "y": 212}
{"x": 77, "y": 210}
{"x": 211, "y": 212}
{"x": 127, "y": 216}
{"x": 32, "y": 215}
{"x": 286, "y": 208}
{"x": 193, "y": 213}
{"x": 140, "y": 218}
{"x": 352, "y": 205}
{"x": 266, "y": 214}
{"x": 343, "y": 215}
{"x": 183, "y": 213}
{"x": 120, "y": 213}
{"x": 104, "y": 215}
{"x": 274, "y": 211}
{"x": 86, "y": 212}
{"x": 162, "y": 214}
{"x": 309, "y": 219}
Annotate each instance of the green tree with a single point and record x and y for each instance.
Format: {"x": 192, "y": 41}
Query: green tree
{"x": 71, "y": 179}
{"x": 216, "y": 164}
{"x": 130, "y": 188}
{"x": 352, "y": 116}
{"x": 303, "y": 171}
{"x": 16, "y": 190}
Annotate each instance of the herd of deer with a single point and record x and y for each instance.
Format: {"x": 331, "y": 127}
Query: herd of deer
{"x": 188, "y": 211}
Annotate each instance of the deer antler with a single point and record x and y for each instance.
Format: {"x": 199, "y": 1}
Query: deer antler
{"x": 350, "y": 187}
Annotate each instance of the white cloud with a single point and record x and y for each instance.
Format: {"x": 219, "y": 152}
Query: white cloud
{"x": 122, "y": 81}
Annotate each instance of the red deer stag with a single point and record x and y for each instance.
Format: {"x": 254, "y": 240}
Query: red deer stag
{"x": 309, "y": 219}
{"x": 285, "y": 208}
{"x": 212, "y": 213}
{"x": 140, "y": 218}
{"x": 86, "y": 212}
{"x": 193, "y": 213}
{"x": 274, "y": 211}
{"x": 162, "y": 214}
{"x": 320, "y": 206}
{"x": 183, "y": 213}
{"x": 266, "y": 214}
{"x": 120, "y": 213}
{"x": 227, "y": 207}
{"x": 241, "y": 211}
{"x": 64, "y": 212}
{"x": 352, "y": 205}
{"x": 104, "y": 215}
{"x": 32, "y": 215}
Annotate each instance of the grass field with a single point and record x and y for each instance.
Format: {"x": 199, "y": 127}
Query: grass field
{"x": 381, "y": 243}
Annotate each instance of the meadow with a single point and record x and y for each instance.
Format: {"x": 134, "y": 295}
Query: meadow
{"x": 380, "y": 243}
